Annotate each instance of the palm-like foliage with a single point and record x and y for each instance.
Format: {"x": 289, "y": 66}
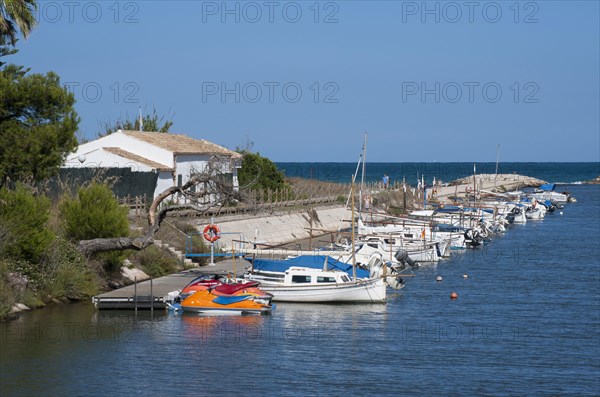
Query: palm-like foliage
{"x": 15, "y": 16}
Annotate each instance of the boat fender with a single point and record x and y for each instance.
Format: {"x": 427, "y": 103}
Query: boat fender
{"x": 212, "y": 233}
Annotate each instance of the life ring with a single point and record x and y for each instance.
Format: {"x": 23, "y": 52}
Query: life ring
{"x": 212, "y": 233}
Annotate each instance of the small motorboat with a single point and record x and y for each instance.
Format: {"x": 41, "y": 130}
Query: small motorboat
{"x": 207, "y": 302}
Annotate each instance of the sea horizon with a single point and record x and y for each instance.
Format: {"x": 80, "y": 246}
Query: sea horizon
{"x": 341, "y": 172}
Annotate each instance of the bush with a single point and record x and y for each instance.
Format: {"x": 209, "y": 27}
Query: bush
{"x": 155, "y": 262}
{"x": 23, "y": 219}
{"x": 66, "y": 273}
{"x": 259, "y": 173}
{"x": 7, "y": 295}
{"x": 94, "y": 213}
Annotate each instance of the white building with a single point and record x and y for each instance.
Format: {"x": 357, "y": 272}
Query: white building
{"x": 172, "y": 156}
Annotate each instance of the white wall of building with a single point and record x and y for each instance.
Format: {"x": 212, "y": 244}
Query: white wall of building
{"x": 186, "y": 164}
{"x": 164, "y": 181}
{"x": 125, "y": 142}
{"x": 100, "y": 158}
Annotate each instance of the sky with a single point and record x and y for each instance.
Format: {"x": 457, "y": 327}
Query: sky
{"x": 303, "y": 81}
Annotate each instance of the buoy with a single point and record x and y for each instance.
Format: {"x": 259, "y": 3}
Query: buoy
{"x": 465, "y": 275}
{"x": 438, "y": 278}
{"x": 560, "y": 212}
{"x": 453, "y": 296}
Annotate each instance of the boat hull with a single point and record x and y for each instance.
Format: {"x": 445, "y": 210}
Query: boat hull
{"x": 221, "y": 312}
{"x": 371, "y": 291}
{"x": 207, "y": 303}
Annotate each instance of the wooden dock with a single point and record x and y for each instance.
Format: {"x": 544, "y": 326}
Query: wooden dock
{"x": 150, "y": 294}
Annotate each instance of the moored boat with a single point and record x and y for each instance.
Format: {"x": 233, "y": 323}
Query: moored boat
{"x": 207, "y": 302}
{"x": 307, "y": 285}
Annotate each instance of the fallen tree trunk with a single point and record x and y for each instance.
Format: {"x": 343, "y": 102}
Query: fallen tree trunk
{"x": 97, "y": 245}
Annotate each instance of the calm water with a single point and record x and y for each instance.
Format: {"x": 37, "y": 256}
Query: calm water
{"x": 342, "y": 172}
{"x": 527, "y": 322}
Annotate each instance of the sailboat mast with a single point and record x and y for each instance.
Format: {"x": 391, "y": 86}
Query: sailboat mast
{"x": 362, "y": 179}
{"x": 353, "y": 241}
{"x": 497, "y": 160}
{"x": 474, "y": 184}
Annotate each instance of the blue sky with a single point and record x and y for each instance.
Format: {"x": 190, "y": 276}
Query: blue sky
{"x": 435, "y": 81}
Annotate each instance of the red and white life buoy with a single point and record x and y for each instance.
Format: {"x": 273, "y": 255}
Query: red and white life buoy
{"x": 212, "y": 233}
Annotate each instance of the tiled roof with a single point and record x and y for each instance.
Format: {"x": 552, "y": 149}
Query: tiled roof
{"x": 137, "y": 158}
{"x": 182, "y": 144}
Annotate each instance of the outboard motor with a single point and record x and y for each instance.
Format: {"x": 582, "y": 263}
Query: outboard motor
{"x": 510, "y": 217}
{"x": 550, "y": 206}
{"x": 473, "y": 238}
{"x": 402, "y": 257}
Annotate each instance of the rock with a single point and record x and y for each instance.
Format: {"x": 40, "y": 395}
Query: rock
{"x": 134, "y": 274}
{"x": 22, "y": 307}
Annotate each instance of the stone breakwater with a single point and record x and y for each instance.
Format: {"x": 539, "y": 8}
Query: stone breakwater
{"x": 491, "y": 180}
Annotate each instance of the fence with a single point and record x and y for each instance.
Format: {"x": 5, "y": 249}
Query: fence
{"x": 138, "y": 204}
{"x": 299, "y": 194}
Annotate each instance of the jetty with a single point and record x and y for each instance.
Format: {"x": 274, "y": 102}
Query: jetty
{"x": 500, "y": 183}
{"x": 150, "y": 294}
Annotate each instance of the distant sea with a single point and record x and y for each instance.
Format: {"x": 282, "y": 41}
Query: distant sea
{"x": 562, "y": 173}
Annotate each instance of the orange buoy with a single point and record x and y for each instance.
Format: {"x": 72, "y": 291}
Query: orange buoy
{"x": 453, "y": 295}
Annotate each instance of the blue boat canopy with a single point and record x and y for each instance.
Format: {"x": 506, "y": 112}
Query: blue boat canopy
{"x": 442, "y": 227}
{"x": 548, "y": 187}
{"x": 311, "y": 261}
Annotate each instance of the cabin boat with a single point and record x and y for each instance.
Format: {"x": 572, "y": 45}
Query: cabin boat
{"x": 271, "y": 272}
{"x": 546, "y": 192}
{"x": 308, "y": 285}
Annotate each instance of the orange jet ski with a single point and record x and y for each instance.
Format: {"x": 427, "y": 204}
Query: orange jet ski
{"x": 206, "y": 302}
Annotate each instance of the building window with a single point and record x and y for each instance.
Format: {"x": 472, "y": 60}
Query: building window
{"x": 179, "y": 180}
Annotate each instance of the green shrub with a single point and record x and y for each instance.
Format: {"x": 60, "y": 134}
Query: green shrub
{"x": 259, "y": 173}
{"x": 67, "y": 274}
{"x": 94, "y": 213}
{"x": 155, "y": 262}
{"x": 63, "y": 273}
{"x": 112, "y": 261}
{"x": 7, "y": 295}
{"x": 24, "y": 218}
